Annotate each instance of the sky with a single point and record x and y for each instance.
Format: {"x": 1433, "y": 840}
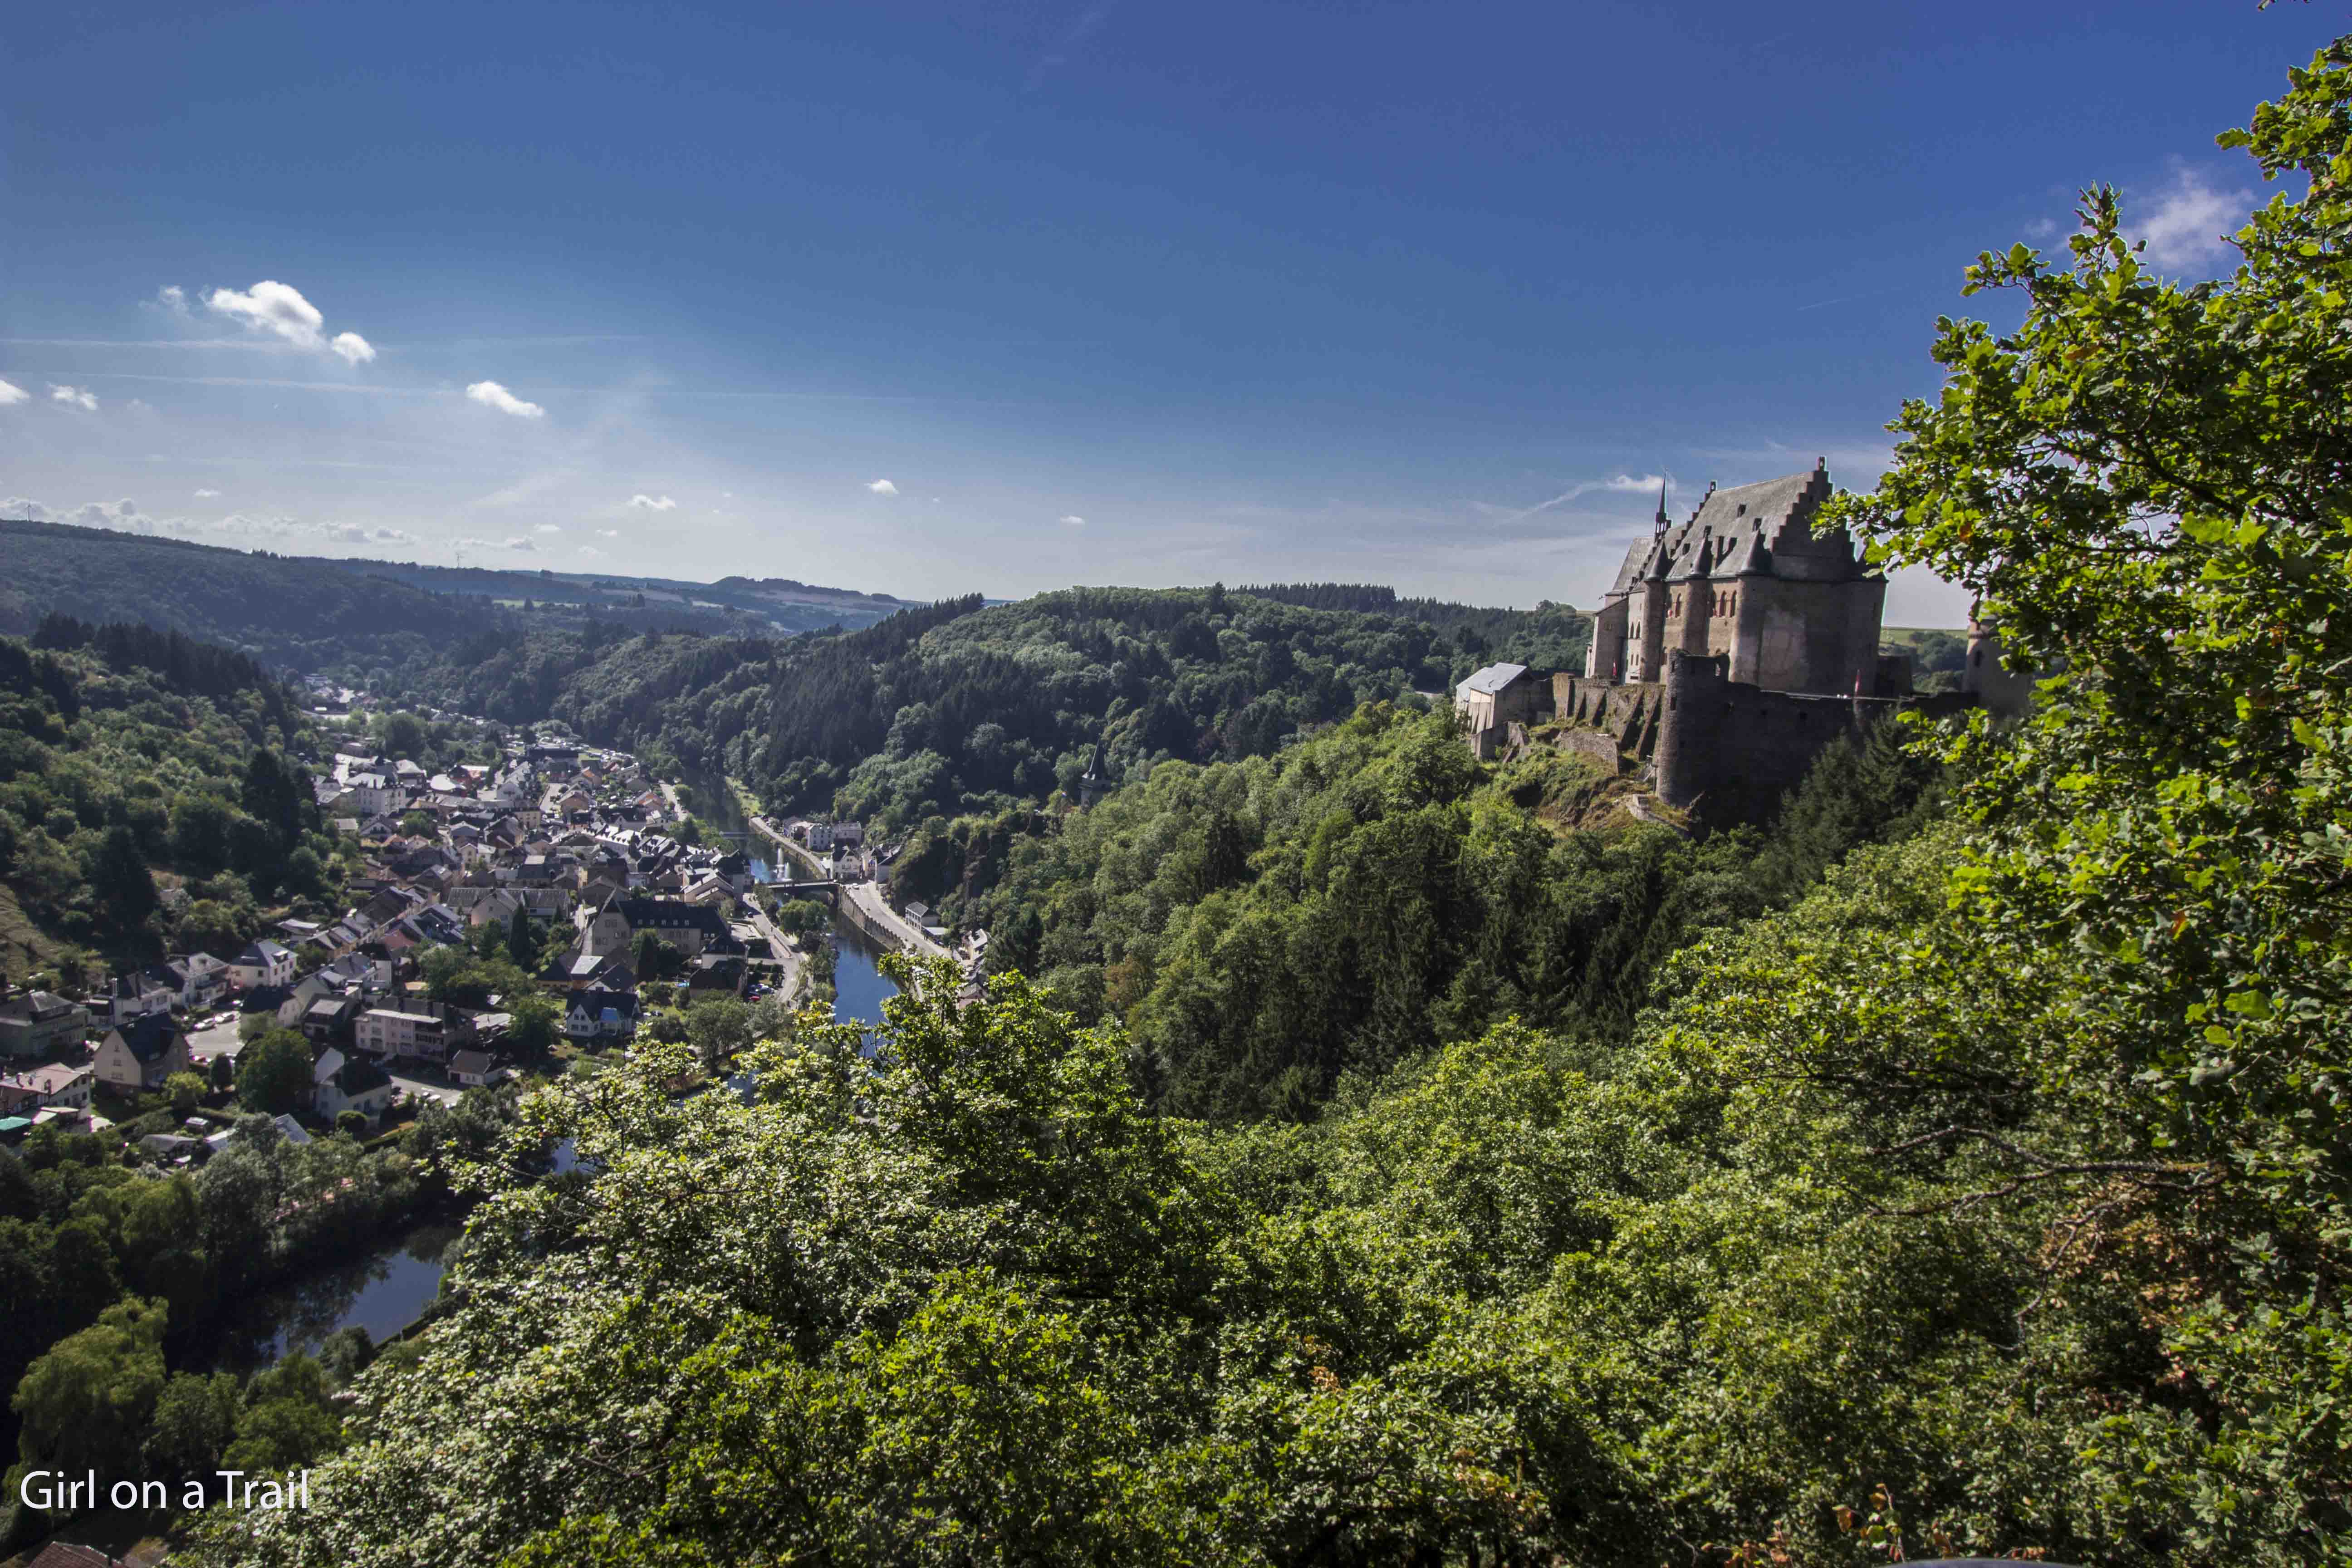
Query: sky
{"x": 927, "y": 299}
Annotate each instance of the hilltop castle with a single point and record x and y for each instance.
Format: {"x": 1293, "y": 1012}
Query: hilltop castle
{"x": 1731, "y": 649}
{"x": 1747, "y": 579}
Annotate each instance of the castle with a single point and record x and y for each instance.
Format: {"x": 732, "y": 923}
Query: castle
{"x": 1731, "y": 649}
{"x": 1748, "y": 580}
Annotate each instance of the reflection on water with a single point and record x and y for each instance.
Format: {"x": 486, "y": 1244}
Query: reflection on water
{"x": 715, "y": 807}
{"x": 858, "y": 986}
{"x": 382, "y": 1291}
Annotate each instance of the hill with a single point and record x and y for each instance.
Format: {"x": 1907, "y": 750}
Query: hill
{"x": 373, "y": 619}
{"x": 962, "y": 705}
{"x": 286, "y": 611}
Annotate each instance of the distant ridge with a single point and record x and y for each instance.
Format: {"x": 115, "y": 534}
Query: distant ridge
{"x": 307, "y": 612}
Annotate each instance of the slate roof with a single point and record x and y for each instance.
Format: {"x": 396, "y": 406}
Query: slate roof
{"x": 37, "y": 1006}
{"x": 669, "y": 914}
{"x": 149, "y": 1037}
{"x": 1494, "y": 679}
{"x": 1733, "y": 531}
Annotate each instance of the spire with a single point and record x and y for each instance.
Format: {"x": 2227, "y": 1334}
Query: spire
{"x": 1662, "y": 507}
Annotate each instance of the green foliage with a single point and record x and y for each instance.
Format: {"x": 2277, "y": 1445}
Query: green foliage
{"x": 718, "y": 1028}
{"x": 85, "y": 1405}
{"x": 801, "y": 919}
{"x": 185, "y": 1091}
{"x": 273, "y": 1074}
{"x": 456, "y": 975}
{"x": 1269, "y": 928}
{"x": 654, "y": 957}
{"x": 534, "y": 1028}
{"x": 123, "y": 750}
{"x": 2144, "y": 481}
{"x": 195, "y": 1421}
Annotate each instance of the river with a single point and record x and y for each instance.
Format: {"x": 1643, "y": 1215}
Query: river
{"x": 858, "y": 985}
{"x": 382, "y": 1291}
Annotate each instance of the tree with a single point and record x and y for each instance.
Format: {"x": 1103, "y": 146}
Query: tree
{"x": 533, "y": 1030}
{"x": 273, "y": 1074}
{"x": 350, "y": 1123}
{"x": 653, "y": 957}
{"x": 208, "y": 925}
{"x": 1015, "y": 948}
{"x": 185, "y": 1091}
{"x": 85, "y": 1405}
{"x": 403, "y": 735}
{"x": 522, "y": 946}
{"x": 221, "y": 1072}
{"x": 194, "y": 1420}
{"x": 801, "y": 919}
{"x": 287, "y": 1423}
{"x": 119, "y": 881}
{"x": 718, "y": 1026}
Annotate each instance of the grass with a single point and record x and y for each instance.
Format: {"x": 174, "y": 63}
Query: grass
{"x": 24, "y": 946}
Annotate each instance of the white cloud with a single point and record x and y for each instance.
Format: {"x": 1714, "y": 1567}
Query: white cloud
{"x": 271, "y": 307}
{"x": 520, "y": 543}
{"x": 356, "y": 533}
{"x": 883, "y": 487}
{"x": 10, "y": 393}
{"x": 17, "y": 508}
{"x": 75, "y": 396}
{"x": 643, "y": 502}
{"x": 1073, "y": 519}
{"x": 173, "y": 298}
{"x": 1634, "y": 482}
{"x": 2189, "y": 218}
{"x": 120, "y": 515}
{"x": 353, "y": 348}
{"x": 608, "y": 533}
{"x": 2042, "y": 228}
{"x": 490, "y": 395}
{"x": 206, "y": 495}
{"x": 550, "y": 527}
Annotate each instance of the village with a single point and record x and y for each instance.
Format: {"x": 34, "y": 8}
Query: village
{"x": 574, "y": 854}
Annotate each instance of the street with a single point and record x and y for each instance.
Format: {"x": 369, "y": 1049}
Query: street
{"x": 871, "y": 904}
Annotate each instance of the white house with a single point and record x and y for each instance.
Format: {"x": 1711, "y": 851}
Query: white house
{"x": 135, "y": 996}
{"x": 262, "y": 964}
{"x": 386, "y": 1032}
{"x": 372, "y": 795}
{"x": 338, "y": 1086}
{"x": 142, "y": 1054}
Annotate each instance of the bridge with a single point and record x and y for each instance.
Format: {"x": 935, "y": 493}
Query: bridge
{"x": 828, "y": 892}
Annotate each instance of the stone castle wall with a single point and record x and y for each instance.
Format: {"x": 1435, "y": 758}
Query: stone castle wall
{"x": 1725, "y": 748}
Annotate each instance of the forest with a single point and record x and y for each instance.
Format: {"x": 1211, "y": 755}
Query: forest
{"x": 961, "y": 707}
{"x": 125, "y": 751}
{"x": 1957, "y": 1168}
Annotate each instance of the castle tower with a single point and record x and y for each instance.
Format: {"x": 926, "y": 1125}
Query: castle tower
{"x": 1693, "y": 705}
{"x": 2003, "y": 691}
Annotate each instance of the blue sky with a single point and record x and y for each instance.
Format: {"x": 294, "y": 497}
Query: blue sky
{"x": 928, "y": 298}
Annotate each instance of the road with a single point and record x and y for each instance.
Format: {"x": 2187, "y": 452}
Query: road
{"x": 795, "y": 972}
{"x": 872, "y": 905}
{"x": 426, "y": 1088}
{"x": 217, "y": 1038}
